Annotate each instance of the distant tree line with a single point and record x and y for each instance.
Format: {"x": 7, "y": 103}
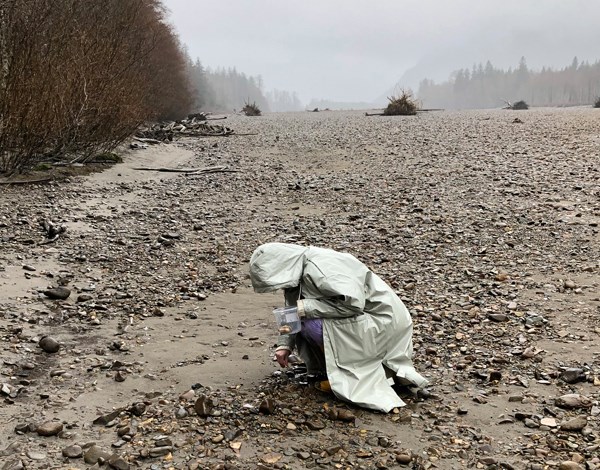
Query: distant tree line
{"x": 78, "y": 76}
{"x": 227, "y": 89}
{"x": 281, "y": 100}
{"x": 488, "y": 87}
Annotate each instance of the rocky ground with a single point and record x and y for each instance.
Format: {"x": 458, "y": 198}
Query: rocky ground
{"x": 161, "y": 356}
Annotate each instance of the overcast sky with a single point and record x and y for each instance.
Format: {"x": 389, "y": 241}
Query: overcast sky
{"x": 356, "y": 50}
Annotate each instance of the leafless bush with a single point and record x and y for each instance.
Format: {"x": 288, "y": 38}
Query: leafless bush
{"x": 251, "y": 109}
{"x": 519, "y": 105}
{"x": 403, "y": 105}
{"x": 77, "y": 77}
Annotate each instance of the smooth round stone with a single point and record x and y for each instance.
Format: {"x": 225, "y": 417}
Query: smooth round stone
{"x": 72, "y": 452}
{"x": 33, "y": 455}
{"x": 49, "y": 345}
{"x": 50, "y": 428}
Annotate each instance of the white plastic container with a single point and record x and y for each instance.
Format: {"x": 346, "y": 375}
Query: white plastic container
{"x": 287, "y": 320}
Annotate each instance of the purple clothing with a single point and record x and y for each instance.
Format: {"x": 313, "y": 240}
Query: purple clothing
{"x": 312, "y": 330}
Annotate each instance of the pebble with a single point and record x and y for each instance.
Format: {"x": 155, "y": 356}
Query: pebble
{"x": 498, "y": 317}
{"x": 267, "y": 406}
{"x": 202, "y": 406}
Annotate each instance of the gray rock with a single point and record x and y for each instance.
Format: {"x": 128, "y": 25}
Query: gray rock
{"x": 33, "y": 455}
{"x": 163, "y": 441}
{"x": 498, "y": 317}
{"x": 49, "y": 345}
{"x": 84, "y": 298}
{"x": 49, "y": 428}
{"x": 107, "y": 418}
{"x": 72, "y": 452}
{"x": 15, "y": 464}
{"x": 160, "y": 451}
{"x": 95, "y": 454}
{"x": 13, "y": 448}
{"x": 267, "y": 406}
{"x": 573, "y": 400}
{"x": 572, "y": 375}
{"x": 575, "y": 424}
{"x": 58, "y": 293}
{"x": 203, "y": 406}
{"x": 118, "y": 462}
{"x": 569, "y": 465}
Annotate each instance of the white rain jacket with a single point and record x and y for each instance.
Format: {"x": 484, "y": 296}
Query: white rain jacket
{"x": 365, "y": 324}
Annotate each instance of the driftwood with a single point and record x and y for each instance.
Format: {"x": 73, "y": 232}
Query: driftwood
{"x": 418, "y": 111}
{"x": 231, "y": 135}
{"x": 148, "y": 140}
{"x": 39, "y": 180}
{"x": 53, "y": 231}
{"x": 193, "y": 171}
{"x": 186, "y": 128}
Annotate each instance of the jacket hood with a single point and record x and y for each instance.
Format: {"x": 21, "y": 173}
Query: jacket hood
{"x": 276, "y": 266}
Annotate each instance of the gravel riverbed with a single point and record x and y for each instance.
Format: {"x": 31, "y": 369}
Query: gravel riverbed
{"x": 161, "y": 355}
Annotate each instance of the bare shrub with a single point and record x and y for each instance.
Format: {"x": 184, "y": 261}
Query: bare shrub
{"x": 519, "y": 105}
{"x": 78, "y": 77}
{"x": 251, "y": 109}
{"x": 403, "y": 105}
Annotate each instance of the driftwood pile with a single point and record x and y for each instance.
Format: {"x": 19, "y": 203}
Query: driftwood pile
{"x": 194, "y": 126}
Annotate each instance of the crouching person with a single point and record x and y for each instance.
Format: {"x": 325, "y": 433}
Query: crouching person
{"x": 353, "y": 326}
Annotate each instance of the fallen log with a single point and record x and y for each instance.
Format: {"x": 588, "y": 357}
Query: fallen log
{"x": 220, "y": 135}
{"x": 147, "y": 140}
{"x": 209, "y": 169}
{"x": 39, "y": 180}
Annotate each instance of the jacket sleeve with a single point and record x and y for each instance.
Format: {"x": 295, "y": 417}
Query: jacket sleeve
{"x": 340, "y": 296}
{"x": 286, "y": 342}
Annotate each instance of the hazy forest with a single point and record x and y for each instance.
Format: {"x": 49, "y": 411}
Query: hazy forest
{"x": 489, "y": 87}
{"x": 228, "y": 89}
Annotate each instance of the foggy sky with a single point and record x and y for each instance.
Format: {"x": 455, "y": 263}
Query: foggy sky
{"x": 351, "y": 50}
